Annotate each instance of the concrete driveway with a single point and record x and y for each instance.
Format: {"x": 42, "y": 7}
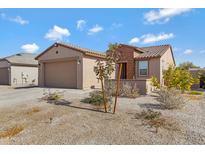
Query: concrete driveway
{"x": 11, "y": 96}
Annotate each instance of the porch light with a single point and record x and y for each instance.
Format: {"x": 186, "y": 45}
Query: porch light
{"x": 78, "y": 61}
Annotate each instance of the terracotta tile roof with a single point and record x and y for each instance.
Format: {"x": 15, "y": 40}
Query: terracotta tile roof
{"x": 85, "y": 51}
{"x": 134, "y": 47}
{"x": 22, "y": 59}
{"x": 153, "y": 51}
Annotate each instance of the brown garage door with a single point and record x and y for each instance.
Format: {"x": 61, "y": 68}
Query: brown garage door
{"x": 4, "y": 76}
{"x": 61, "y": 74}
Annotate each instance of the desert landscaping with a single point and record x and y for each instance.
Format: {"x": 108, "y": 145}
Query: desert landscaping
{"x": 26, "y": 118}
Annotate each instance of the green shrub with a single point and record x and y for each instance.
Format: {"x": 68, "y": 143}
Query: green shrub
{"x": 170, "y": 98}
{"x": 54, "y": 96}
{"x": 96, "y": 98}
{"x": 155, "y": 83}
{"x": 195, "y": 93}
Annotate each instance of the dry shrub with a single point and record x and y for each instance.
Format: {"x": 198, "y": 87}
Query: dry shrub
{"x": 154, "y": 119}
{"x": 166, "y": 123}
{"x": 171, "y": 98}
{"x": 148, "y": 115}
{"x": 52, "y": 97}
{"x": 129, "y": 91}
{"x": 33, "y": 110}
{"x": 11, "y": 131}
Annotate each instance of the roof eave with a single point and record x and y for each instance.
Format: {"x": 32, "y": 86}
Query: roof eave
{"x": 135, "y": 48}
{"x": 64, "y": 45}
{"x": 146, "y": 58}
{"x": 21, "y": 64}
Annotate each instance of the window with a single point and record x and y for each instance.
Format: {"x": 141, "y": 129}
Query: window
{"x": 143, "y": 68}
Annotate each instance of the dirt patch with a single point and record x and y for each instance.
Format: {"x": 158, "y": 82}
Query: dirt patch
{"x": 194, "y": 97}
{"x": 33, "y": 110}
{"x": 10, "y": 132}
{"x": 79, "y": 123}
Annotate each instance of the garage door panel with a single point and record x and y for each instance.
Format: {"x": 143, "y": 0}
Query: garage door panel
{"x": 4, "y": 76}
{"x": 61, "y": 74}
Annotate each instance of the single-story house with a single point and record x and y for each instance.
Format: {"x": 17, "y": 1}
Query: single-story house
{"x": 139, "y": 64}
{"x": 68, "y": 66}
{"x": 19, "y": 70}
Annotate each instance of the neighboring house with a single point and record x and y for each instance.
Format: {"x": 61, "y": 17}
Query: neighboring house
{"x": 68, "y": 66}
{"x": 19, "y": 70}
{"x": 140, "y": 64}
{"x": 195, "y": 72}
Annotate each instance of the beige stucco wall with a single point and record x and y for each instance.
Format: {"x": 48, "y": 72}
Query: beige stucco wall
{"x": 165, "y": 61}
{"x": 89, "y": 76}
{"x": 168, "y": 59}
{"x": 63, "y": 54}
{"x": 30, "y": 73}
{"x": 4, "y": 63}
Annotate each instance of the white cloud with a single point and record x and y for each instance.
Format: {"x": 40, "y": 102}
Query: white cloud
{"x": 95, "y": 29}
{"x": 17, "y": 19}
{"x": 164, "y": 15}
{"x": 57, "y": 33}
{"x": 151, "y": 38}
{"x": 30, "y": 48}
{"x": 188, "y": 52}
{"x": 134, "y": 40}
{"x": 81, "y": 24}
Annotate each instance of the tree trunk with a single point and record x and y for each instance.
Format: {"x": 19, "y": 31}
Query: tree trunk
{"x": 103, "y": 93}
{"x": 117, "y": 88}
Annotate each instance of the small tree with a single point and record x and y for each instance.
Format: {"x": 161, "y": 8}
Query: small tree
{"x": 104, "y": 70}
{"x": 187, "y": 65}
{"x": 100, "y": 71}
{"x": 113, "y": 56}
{"x": 178, "y": 78}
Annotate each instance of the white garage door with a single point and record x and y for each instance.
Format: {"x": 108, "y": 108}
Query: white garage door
{"x": 4, "y": 76}
{"x": 61, "y": 74}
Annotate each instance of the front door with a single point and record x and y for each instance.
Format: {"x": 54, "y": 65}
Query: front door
{"x": 124, "y": 71}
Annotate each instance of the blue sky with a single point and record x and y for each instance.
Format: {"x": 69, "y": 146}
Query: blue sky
{"x": 33, "y": 30}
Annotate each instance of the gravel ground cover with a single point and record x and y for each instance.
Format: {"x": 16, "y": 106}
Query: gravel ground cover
{"x": 72, "y": 122}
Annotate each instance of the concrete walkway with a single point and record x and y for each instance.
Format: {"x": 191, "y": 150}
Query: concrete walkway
{"x": 10, "y": 96}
